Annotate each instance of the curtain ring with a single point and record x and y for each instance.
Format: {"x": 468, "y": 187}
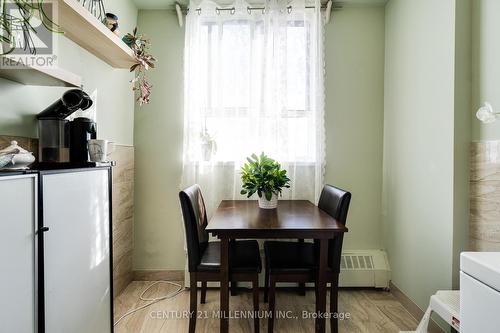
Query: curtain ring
{"x": 217, "y": 11}
{"x": 249, "y": 10}
{"x": 233, "y": 10}
{"x": 198, "y": 10}
{"x": 264, "y": 11}
{"x": 289, "y": 9}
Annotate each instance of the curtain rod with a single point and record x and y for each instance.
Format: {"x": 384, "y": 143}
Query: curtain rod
{"x": 185, "y": 9}
{"x": 328, "y": 7}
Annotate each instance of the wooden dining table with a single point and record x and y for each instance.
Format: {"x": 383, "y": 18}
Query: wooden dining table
{"x": 297, "y": 219}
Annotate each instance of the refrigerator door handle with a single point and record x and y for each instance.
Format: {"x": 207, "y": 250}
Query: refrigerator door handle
{"x": 43, "y": 229}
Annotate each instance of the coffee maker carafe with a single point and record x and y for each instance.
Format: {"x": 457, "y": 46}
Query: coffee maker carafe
{"x": 54, "y": 129}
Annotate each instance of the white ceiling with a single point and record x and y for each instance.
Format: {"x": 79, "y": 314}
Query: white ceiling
{"x": 163, "y": 4}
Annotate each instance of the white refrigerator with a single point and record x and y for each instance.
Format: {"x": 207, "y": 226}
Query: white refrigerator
{"x": 76, "y": 278}
{"x": 18, "y": 278}
{"x": 480, "y": 292}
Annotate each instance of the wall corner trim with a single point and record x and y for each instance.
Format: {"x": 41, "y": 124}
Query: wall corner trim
{"x": 158, "y": 275}
{"x": 413, "y": 308}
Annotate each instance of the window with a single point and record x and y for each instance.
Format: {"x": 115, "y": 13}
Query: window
{"x": 253, "y": 83}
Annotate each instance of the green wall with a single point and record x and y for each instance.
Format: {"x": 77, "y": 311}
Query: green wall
{"x": 354, "y": 127}
{"x": 159, "y": 236}
{"x": 426, "y": 139}
{"x": 115, "y": 101}
{"x": 485, "y": 65}
{"x": 354, "y": 117}
{"x": 463, "y": 121}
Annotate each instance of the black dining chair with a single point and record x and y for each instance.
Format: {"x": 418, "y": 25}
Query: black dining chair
{"x": 204, "y": 256}
{"x": 298, "y": 261}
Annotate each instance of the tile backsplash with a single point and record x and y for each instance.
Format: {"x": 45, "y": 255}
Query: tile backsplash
{"x": 484, "y": 223}
{"x": 30, "y": 144}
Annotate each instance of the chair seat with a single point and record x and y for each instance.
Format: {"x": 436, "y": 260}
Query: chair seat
{"x": 244, "y": 256}
{"x": 291, "y": 257}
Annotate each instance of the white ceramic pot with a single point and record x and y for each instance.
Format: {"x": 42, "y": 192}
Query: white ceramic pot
{"x": 15, "y": 157}
{"x": 268, "y": 204}
{"x": 206, "y": 151}
{"x": 21, "y": 161}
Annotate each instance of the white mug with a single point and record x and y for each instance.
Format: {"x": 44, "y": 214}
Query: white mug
{"x": 98, "y": 150}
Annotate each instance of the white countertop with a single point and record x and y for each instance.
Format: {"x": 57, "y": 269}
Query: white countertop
{"x": 483, "y": 266}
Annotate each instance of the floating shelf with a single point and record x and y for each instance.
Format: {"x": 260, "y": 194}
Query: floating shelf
{"x": 79, "y": 25}
{"x": 39, "y": 76}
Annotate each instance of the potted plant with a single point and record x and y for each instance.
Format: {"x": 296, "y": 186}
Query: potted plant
{"x": 208, "y": 145}
{"x": 144, "y": 61}
{"x": 264, "y": 176}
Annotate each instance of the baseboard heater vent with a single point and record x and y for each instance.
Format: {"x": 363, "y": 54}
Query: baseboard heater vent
{"x": 364, "y": 268}
{"x": 358, "y": 268}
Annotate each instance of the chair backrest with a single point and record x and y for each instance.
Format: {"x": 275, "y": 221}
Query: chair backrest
{"x": 335, "y": 202}
{"x": 195, "y": 221}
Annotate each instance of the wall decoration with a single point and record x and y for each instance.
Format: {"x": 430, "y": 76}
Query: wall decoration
{"x": 111, "y": 21}
{"x": 140, "y": 45}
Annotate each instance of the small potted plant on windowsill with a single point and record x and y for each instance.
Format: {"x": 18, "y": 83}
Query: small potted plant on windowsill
{"x": 264, "y": 176}
{"x": 208, "y": 145}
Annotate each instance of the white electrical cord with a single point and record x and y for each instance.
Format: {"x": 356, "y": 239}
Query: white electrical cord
{"x": 153, "y": 300}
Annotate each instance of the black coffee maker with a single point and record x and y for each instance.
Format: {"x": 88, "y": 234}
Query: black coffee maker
{"x": 61, "y": 141}
{"x": 81, "y": 131}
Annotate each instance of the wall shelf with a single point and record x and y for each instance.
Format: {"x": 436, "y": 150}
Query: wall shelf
{"x": 79, "y": 25}
{"x": 39, "y": 76}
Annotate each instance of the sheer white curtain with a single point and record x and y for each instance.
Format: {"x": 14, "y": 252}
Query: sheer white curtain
{"x": 253, "y": 83}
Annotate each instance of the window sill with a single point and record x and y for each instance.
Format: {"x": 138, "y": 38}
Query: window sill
{"x": 234, "y": 164}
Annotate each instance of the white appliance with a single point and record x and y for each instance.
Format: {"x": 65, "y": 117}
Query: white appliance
{"x": 76, "y": 251}
{"x": 18, "y": 217}
{"x": 480, "y": 292}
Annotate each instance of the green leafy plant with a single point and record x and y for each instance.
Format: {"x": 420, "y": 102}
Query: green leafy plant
{"x": 264, "y": 176}
{"x": 144, "y": 61}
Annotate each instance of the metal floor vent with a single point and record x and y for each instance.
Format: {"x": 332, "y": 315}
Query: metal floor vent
{"x": 364, "y": 268}
{"x": 356, "y": 262}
